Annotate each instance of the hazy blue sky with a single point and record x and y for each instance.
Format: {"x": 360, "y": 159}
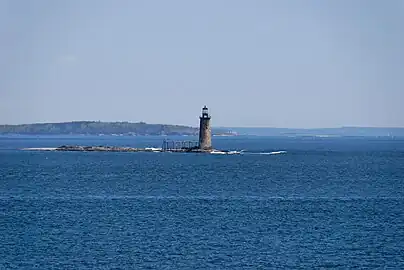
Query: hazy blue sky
{"x": 302, "y": 63}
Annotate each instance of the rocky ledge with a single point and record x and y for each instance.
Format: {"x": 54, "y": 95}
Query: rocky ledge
{"x": 78, "y": 148}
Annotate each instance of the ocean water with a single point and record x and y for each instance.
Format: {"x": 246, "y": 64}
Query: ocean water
{"x": 327, "y": 203}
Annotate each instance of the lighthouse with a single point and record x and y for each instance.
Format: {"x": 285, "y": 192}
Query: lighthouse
{"x": 205, "y": 132}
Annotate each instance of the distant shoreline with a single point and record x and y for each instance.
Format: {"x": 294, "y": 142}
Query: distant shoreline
{"x": 97, "y": 128}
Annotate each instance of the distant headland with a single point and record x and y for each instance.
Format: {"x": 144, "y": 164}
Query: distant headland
{"x": 143, "y": 129}
{"x": 105, "y": 128}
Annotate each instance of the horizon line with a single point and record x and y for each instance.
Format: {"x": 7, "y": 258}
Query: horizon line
{"x": 192, "y": 126}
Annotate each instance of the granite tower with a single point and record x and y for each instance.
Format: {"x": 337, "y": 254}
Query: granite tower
{"x": 205, "y": 132}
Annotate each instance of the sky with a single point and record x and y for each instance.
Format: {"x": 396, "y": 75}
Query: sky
{"x": 268, "y": 63}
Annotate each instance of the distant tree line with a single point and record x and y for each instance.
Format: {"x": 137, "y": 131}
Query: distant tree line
{"x": 96, "y": 127}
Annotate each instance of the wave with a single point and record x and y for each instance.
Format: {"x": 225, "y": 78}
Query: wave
{"x": 266, "y": 153}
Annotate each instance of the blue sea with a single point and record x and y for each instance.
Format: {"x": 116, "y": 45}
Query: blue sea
{"x": 327, "y": 203}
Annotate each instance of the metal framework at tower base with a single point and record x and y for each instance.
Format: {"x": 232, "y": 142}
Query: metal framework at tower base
{"x": 183, "y": 146}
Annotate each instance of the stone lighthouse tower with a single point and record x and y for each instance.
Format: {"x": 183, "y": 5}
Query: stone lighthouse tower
{"x": 205, "y": 132}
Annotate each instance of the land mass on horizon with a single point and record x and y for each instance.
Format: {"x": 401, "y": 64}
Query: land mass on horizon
{"x": 142, "y": 128}
{"x": 103, "y": 128}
